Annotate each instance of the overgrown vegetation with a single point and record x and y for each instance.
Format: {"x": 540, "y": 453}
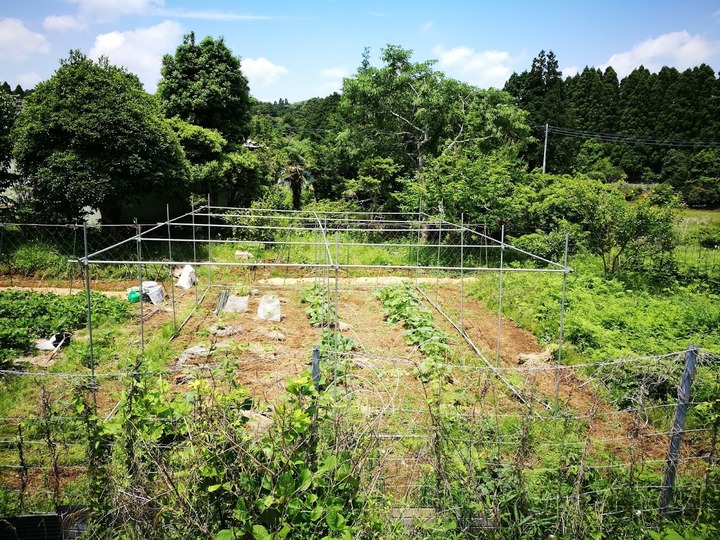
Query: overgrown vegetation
{"x": 211, "y": 472}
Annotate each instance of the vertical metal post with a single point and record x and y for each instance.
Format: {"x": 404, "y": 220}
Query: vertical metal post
{"x": 170, "y": 270}
{"x": 562, "y": 321}
{"x": 678, "y": 426}
{"x": 89, "y": 317}
{"x": 192, "y": 204}
{"x": 545, "y": 148}
{"x": 437, "y": 270}
{"x": 462, "y": 269}
{"x": 485, "y": 241}
{"x": 316, "y": 366}
{"x": 337, "y": 310}
{"x": 209, "y": 233}
{"x": 312, "y": 455}
{"x": 500, "y": 291}
{"x": 419, "y": 237}
{"x": 70, "y": 268}
{"x": 140, "y": 282}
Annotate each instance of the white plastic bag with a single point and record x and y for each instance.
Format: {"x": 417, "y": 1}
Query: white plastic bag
{"x": 269, "y": 308}
{"x": 237, "y": 304}
{"x": 187, "y": 277}
{"x": 154, "y": 291}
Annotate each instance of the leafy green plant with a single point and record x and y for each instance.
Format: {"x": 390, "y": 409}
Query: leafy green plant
{"x": 26, "y": 315}
{"x": 210, "y": 473}
{"x": 402, "y": 305}
{"x": 320, "y": 310}
{"x": 38, "y": 258}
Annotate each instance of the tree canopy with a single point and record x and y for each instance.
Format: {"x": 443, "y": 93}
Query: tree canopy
{"x": 203, "y": 84}
{"x": 91, "y": 136}
{"x": 8, "y": 111}
{"x": 648, "y": 126}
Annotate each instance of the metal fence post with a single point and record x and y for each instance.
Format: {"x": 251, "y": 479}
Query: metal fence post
{"x": 678, "y": 426}
{"x": 316, "y": 366}
{"x": 86, "y": 266}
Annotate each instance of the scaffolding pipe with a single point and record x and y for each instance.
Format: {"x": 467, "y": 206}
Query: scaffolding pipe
{"x": 140, "y": 282}
{"x": 500, "y": 291}
{"x": 562, "y": 322}
{"x": 170, "y": 271}
{"x": 91, "y": 351}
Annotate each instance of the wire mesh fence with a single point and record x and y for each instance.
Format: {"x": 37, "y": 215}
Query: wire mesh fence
{"x": 477, "y": 438}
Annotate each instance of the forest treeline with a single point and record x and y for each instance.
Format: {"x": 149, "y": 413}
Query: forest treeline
{"x": 400, "y": 136}
{"x": 646, "y": 128}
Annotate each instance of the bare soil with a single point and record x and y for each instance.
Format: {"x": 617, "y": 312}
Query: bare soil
{"x": 382, "y": 380}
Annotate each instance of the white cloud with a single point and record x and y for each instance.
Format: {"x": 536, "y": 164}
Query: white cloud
{"x": 570, "y": 71}
{"x": 18, "y": 43}
{"x": 140, "y": 50}
{"x": 62, "y": 22}
{"x": 427, "y": 27}
{"x": 334, "y": 73}
{"x": 111, "y": 10}
{"x": 676, "y": 49}
{"x": 261, "y": 72}
{"x": 28, "y": 80}
{"x": 211, "y": 15}
{"x": 333, "y": 80}
{"x": 480, "y": 68}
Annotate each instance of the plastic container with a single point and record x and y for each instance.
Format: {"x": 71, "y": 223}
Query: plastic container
{"x": 133, "y": 296}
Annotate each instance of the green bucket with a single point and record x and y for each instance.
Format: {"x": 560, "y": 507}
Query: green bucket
{"x": 133, "y": 296}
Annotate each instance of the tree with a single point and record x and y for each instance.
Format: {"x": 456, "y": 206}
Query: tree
{"x": 203, "y": 84}
{"x": 541, "y": 92}
{"x": 484, "y": 187}
{"x": 90, "y": 136}
{"x": 620, "y": 232}
{"x": 8, "y": 111}
{"x": 409, "y": 113}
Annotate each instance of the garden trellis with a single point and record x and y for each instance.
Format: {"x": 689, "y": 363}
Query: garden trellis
{"x": 482, "y": 426}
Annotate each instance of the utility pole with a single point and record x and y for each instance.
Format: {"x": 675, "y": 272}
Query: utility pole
{"x": 545, "y": 149}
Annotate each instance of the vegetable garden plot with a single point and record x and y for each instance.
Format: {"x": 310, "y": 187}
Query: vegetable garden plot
{"x": 415, "y": 403}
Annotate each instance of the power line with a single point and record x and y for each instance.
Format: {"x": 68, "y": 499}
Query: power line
{"x": 630, "y": 139}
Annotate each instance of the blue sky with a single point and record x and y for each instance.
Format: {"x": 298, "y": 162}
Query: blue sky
{"x": 302, "y": 49}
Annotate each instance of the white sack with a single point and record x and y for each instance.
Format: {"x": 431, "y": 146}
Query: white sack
{"x": 269, "y": 309}
{"x": 187, "y": 277}
{"x": 237, "y": 304}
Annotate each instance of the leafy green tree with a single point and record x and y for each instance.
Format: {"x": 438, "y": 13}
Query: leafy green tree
{"x": 90, "y": 136}
{"x": 8, "y": 111}
{"x": 203, "y": 84}
{"x": 636, "y": 118}
{"x": 409, "y": 113}
{"x": 593, "y": 98}
{"x": 297, "y": 168}
{"x": 397, "y": 110}
{"x": 623, "y": 234}
{"x": 374, "y": 180}
{"x": 483, "y": 187}
{"x": 703, "y": 187}
{"x": 233, "y": 174}
{"x": 593, "y": 160}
